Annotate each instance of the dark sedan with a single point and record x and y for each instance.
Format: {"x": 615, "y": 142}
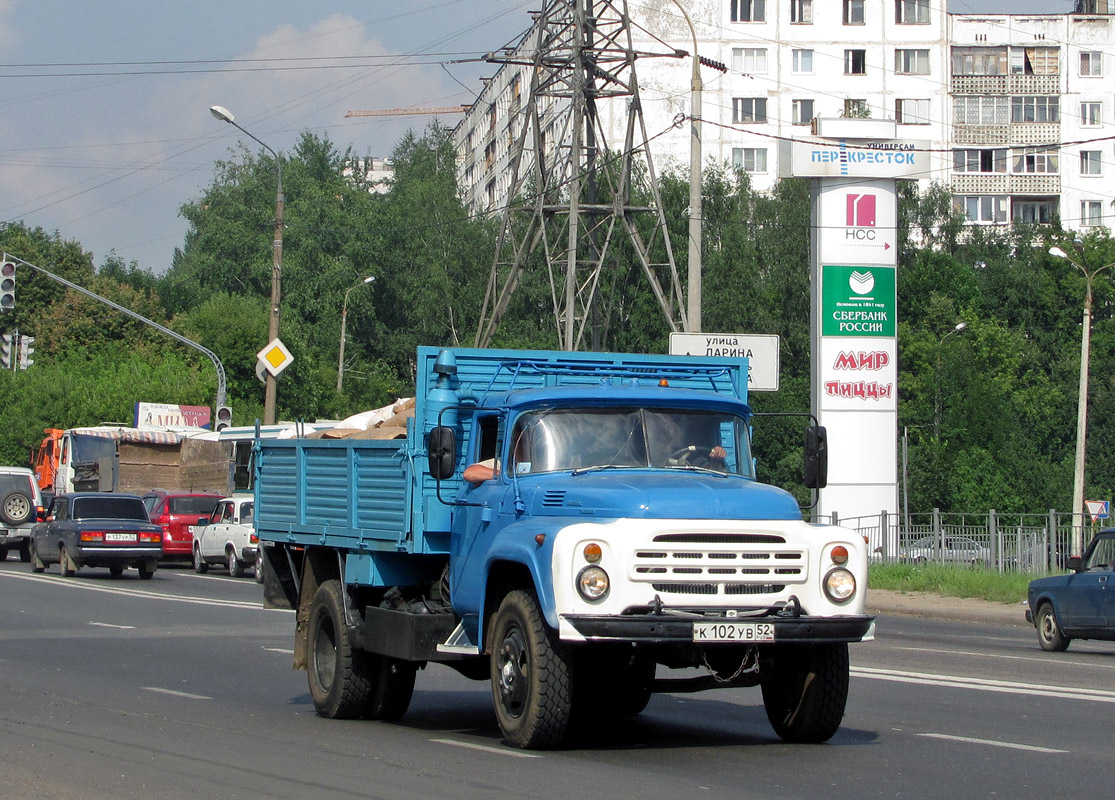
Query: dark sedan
{"x": 1080, "y": 605}
{"x": 97, "y": 530}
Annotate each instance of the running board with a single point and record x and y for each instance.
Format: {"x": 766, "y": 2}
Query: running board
{"x": 459, "y": 643}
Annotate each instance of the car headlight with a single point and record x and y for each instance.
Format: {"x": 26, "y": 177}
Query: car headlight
{"x": 592, "y": 583}
{"x": 840, "y": 585}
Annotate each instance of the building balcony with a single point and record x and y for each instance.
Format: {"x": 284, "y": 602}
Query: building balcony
{"x": 1022, "y": 134}
{"x": 1005, "y": 84}
{"x": 1001, "y": 183}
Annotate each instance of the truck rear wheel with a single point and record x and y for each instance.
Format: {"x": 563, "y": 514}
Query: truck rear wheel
{"x": 805, "y": 689}
{"x": 339, "y": 674}
{"x": 532, "y": 675}
{"x": 391, "y": 687}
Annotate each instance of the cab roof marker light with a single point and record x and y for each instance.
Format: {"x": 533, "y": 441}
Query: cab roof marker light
{"x": 664, "y": 383}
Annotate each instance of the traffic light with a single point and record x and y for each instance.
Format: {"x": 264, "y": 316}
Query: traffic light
{"x": 224, "y": 418}
{"x": 6, "y": 351}
{"x": 26, "y": 350}
{"x": 7, "y": 285}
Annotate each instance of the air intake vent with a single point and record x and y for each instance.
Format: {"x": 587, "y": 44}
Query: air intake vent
{"x": 553, "y": 498}
{"x": 720, "y": 538}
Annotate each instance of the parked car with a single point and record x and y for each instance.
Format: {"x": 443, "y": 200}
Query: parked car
{"x": 96, "y": 529}
{"x": 947, "y": 550}
{"x": 228, "y": 537}
{"x": 1079, "y": 605}
{"x": 20, "y": 503}
{"x": 176, "y": 512}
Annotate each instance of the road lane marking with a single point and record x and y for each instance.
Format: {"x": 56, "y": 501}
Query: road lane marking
{"x": 991, "y": 743}
{"x": 279, "y": 650}
{"x": 110, "y": 625}
{"x": 173, "y": 693}
{"x": 204, "y": 601}
{"x": 984, "y": 684}
{"x": 1044, "y": 660}
{"x": 499, "y": 751}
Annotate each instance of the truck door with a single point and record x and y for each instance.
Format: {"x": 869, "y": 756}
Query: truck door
{"x": 472, "y": 521}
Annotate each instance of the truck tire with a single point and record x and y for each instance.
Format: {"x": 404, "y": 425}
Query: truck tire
{"x": 805, "y": 689}
{"x": 3, "y": 553}
{"x": 532, "y": 675}
{"x": 391, "y": 687}
{"x": 1050, "y": 636}
{"x": 16, "y": 507}
{"x": 340, "y": 676}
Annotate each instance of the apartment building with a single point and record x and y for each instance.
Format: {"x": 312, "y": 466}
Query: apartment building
{"x": 1018, "y": 109}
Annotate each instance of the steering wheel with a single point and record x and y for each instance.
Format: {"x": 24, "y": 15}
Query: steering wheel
{"x": 692, "y": 455}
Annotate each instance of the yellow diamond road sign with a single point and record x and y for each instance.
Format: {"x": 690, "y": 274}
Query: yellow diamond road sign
{"x": 275, "y": 357}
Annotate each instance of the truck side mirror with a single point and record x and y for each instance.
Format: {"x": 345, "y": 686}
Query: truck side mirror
{"x": 441, "y": 447}
{"x": 816, "y": 457}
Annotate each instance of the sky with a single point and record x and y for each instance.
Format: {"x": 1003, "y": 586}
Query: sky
{"x": 105, "y": 130}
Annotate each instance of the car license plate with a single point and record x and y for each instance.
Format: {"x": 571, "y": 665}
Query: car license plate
{"x": 733, "y": 631}
{"x": 120, "y": 537}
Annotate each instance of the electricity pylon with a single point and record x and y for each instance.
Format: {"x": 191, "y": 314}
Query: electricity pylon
{"x": 571, "y": 192}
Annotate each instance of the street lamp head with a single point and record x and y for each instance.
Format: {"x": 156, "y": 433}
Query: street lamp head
{"x": 369, "y": 279}
{"x": 222, "y": 113}
{"x": 1058, "y": 252}
{"x": 1078, "y": 243}
{"x": 960, "y": 326}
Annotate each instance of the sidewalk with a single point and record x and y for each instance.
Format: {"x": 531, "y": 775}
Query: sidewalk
{"x": 935, "y": 606}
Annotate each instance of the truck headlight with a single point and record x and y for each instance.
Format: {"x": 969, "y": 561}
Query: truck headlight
{"x": 840, "y": 584}
{"x": 592, "y": 583}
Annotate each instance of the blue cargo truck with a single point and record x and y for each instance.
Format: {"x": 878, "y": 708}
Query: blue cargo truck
{"x": 610, "y": 533}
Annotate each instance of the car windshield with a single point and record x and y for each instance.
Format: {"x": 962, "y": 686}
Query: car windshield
{"x": 109, "y": 508}
{"x": 601, "y": 438}
{"x": 192, "y": 505}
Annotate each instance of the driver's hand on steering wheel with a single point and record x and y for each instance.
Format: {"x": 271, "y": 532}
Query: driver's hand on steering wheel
{"x": 718, "y": 452}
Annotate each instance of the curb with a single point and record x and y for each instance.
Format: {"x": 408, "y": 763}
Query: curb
{"x": 934, "y": 606}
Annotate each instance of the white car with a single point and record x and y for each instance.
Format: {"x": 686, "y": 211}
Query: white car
{"x": 229, "y": 538}
{"x": 20, "y": 501}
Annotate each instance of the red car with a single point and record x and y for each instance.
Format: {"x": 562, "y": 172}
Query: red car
{"x": 176, "y": 512}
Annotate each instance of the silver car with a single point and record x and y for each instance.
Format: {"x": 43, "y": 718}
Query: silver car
{"x": 946, "y": 549}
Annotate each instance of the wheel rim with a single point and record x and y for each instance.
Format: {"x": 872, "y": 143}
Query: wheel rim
{"x": 231, "y": 563}
{"x": 514, "y": 669}
{"x": 325, "y": 652}
{"x": 17, "y": 507}
{"x": 1048, "y": 626}
{"x": 197, "y": 558}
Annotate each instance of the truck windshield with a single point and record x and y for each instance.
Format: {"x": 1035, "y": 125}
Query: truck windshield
{"x": 650, "y": 438}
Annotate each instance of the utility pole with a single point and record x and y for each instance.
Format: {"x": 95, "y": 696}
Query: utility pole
{"x": 570, "y": 193}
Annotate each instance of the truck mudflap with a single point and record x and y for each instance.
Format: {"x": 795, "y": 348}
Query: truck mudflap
{"x": 668, "y": 628}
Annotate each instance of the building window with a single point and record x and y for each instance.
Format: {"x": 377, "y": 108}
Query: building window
{"x": 1035, "y": 211}
{"x": 803, "y": 112}
{"x": 1093, "y": 7}
{"x": 979, "y": 61}
{"x": 855, "y": 62}
{"x": 1091, "y": 213}
{"x": 749, "y": 10}
{"x": 749, "y": 60}
{"x": 750, "y": 159}
{"x": 801, "y": 12}
{"x": 982, "y": 208}
{"x": 1036, "y": 160}
{"x": 1091, "y": 114}
{"x": 803, "y": 62}
{"x": 911, "y": 12}
{"x": 853, "y": 12}
{"x": 911, "y": 62}
{"x": 974, "y": 160}
{"x": 855, "y": 108}
{"x": 749, "y": 110}
{"x": 981, "y": 110}
{"x": 911, "y": 112}
{"x": 1090, "y": 163}
{"x": 1035, "y": 109}
{"x": 1091, "y": 64}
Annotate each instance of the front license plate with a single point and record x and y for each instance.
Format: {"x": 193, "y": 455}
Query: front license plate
{"x": 733, "y": 631}
{"x": 120, "y": 537}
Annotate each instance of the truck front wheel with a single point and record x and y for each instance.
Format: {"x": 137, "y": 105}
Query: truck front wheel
{"x": 531, "y": 675}
{"x": 805, "y": 689}
{"x": 338, "y": 673}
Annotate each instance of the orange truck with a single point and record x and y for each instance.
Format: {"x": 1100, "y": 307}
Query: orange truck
{"x": 110, "y": 458}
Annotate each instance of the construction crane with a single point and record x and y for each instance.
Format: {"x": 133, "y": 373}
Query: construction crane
{"x": 406, "y": 112}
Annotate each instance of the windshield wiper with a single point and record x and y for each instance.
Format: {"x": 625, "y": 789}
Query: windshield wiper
{"x": 597, "y": 467}
{"x": 695, "y": 468}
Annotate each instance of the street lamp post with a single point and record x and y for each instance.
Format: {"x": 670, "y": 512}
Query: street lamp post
{"x": 1082, "y": 395}
{"x": 693, "y": 313}
{"x": 344, "y": 317}
{"x": 271, "y": 390}
{"x": 937, "y": 405}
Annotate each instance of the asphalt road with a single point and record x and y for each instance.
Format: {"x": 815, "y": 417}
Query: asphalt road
{"x": 181, "y": 687}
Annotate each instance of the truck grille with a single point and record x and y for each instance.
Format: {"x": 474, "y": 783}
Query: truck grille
{"x": 719, "y": 564}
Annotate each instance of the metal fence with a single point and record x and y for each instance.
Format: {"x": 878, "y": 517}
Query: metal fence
{"x": 1032, "y": 543}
